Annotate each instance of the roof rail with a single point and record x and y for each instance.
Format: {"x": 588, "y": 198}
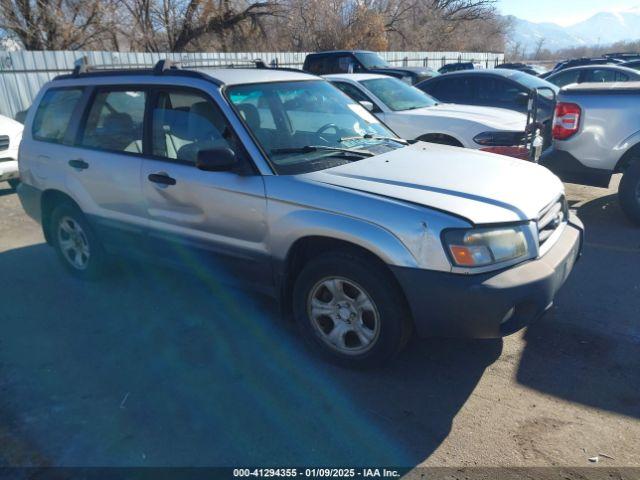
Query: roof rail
{"x": 81, "y": 66}
{"x": 164, "y": 65}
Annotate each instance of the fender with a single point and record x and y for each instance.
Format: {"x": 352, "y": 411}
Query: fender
{"x": 288, "y": 229}
{"x": 624, "y": 148}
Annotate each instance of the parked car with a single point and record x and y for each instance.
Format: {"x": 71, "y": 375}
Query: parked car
{"x": 456, "y": 67}
{"x": 596, "y": 131}
{"x": 413, "y": 114}
{"x": 594, "y": 74}
{"x": 635, "y": 64}
{"x": 579, "y": 62}
{"x": 500, "y": 88}
{"x": 10, "y": 136}
{"x": 534, "y": 70}
{"x": 623, "y": 57}
{"x": 361, "y": 61}
{"x": 280, "y": 180}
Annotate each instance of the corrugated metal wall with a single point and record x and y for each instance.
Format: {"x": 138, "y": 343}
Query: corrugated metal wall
{"x": 22, "y": 73}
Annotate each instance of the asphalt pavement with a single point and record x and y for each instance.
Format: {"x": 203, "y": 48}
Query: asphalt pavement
{"x": 154, "y": 367}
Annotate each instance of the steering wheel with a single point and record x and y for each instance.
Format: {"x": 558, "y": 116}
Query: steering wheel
{"x": 327, "y": 126}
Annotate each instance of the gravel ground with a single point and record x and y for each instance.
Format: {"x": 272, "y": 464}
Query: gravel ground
{"x": 153, "y": 367}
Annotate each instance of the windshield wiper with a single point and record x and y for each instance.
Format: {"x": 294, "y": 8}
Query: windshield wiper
{"x": 369, "y": 136}
{"x": 316, "y": 148}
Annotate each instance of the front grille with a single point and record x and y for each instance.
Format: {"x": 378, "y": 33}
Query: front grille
{"x": 551, "y": 218}
{"x": 4, "y": 142}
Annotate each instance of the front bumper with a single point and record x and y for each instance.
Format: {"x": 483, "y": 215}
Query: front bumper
{"x": 8, "y": 169}
{"x": 494, "y": 304}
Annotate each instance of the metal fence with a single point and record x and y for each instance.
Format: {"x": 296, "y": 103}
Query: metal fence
{"x": 23, "y": 73}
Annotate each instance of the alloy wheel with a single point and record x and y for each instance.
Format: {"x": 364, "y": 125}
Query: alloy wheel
{"x": 343, "y": 315}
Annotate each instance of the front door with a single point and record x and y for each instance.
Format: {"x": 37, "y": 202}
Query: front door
{"x": 212, "y": 222}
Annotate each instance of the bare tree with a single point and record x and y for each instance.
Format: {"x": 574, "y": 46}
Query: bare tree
{"x": 180, "y": 25}
{"x": 226, "y": 25}
{"x": 57, "y": 24}
{"x": 537, "y": 50}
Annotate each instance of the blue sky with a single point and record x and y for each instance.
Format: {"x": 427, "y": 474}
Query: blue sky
{"x": 563, "y": 12}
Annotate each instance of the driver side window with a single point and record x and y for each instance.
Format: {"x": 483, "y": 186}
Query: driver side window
{"x": 185, "y": 122}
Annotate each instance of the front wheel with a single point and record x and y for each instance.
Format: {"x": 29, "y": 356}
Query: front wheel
{"x": 75, "y": 243}
{"x": 629, "y": 192}
{"x": 350, "y": 309}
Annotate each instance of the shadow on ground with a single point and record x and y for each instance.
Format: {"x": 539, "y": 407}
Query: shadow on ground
{"x": 587, "y": 349}
{"x": 5, "y": 189}
{"x": 157, "y": 367}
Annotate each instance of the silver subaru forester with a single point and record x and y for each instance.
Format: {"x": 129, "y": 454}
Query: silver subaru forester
{"x": 277, "y": 179}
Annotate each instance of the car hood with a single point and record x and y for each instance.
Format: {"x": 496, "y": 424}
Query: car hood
{"x": 495, "y": 118}
{"x": 9, "y": 127}
{"x": 481, "y": 187}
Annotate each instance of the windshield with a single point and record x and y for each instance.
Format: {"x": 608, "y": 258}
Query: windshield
{"x": 372, "y": 60}
{"x": 397, "y": 95}
{"x": 309, "y": 125}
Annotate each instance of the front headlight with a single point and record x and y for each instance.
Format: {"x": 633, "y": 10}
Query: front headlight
{"x": 480, "y": 247}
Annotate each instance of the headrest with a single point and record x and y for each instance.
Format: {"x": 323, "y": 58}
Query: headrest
{"x": 205, "y": 122}
{"x": 250, "y": 114}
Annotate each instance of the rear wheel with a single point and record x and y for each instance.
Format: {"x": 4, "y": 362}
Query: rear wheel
{"x": 350, "y": 309}
{"x": 629, "y": 192}
{"x": 75, "y": 243}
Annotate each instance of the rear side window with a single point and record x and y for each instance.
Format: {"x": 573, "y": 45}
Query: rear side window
{"x": 566, "y": 78}
{"x": 603, "y": 75}
{"x": 318, "y": 65}
{"x": 54, "y": 114}
{"x": 496, "y": 90}
{"x": 115, "y": 121}
{"x": 450, "y": 89}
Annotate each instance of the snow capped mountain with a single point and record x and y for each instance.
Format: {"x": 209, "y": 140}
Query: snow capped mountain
{"x": 603, "y": 28}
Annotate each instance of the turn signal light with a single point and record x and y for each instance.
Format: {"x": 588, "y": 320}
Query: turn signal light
{"x": 463, "y": 256}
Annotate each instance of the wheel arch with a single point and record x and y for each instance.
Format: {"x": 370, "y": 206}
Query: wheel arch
{"x": 629, "y": 156}
{"x": 308, "y": 247}
{"x": 441, "y": 139}
{"x": 48, "y": 202}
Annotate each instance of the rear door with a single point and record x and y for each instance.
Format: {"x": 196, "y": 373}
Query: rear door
{"x": 451, "y": 89}
{"x": 202, "y": 218}
{"x": 501, "y": 93}
{"x": 604, "y": 75}
{"x": 104, "y": 163}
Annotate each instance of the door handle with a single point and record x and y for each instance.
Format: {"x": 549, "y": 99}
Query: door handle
{"x": 162, "y": 179}
{"x": 79, "y": 164}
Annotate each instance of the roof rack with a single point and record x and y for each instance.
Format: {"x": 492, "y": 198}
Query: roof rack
{"x": 82, "y": 66}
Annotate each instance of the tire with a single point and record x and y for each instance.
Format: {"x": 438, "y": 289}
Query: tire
{"x": 71, "y": 232}
{"x": 13, "y": 183}
{"x": 360, "y": 334}
{"x": 629, "y": 192}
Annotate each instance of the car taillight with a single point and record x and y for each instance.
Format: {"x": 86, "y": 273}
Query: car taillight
{"x": 566, "y": 120}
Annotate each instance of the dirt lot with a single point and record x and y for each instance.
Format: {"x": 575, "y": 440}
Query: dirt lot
{"x": 156, "y": 367}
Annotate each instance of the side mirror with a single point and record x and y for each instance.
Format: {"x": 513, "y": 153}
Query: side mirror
{"x": 221, "y": 159}
{"x": 367, "y": 105}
